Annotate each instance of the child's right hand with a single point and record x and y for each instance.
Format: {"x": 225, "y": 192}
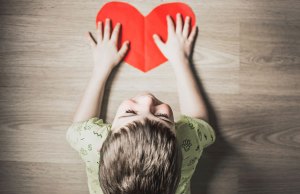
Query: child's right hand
{"x": 177, "y": 48}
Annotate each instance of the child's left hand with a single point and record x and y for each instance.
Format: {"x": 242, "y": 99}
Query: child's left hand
{"x": 105, "y": 51}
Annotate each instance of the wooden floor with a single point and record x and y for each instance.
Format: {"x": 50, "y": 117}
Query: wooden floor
{"x": 247, "y": 57}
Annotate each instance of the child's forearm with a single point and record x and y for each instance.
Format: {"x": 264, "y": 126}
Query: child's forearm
{"x": 90, "y": 104}
{"x": 191, "y": 101}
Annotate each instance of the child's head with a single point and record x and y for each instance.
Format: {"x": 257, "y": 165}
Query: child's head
{"x": 142, "y": 106}
{"x": 142, "y": 155}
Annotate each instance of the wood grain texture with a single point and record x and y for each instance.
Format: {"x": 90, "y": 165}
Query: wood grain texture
{"x": 247, "y": 56}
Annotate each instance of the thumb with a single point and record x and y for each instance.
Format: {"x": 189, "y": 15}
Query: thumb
{"x": 158, "y": 41}
{"x": 123, "y": 49}
{"x": 90, "y": 39}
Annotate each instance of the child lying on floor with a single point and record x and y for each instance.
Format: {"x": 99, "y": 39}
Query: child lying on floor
{"x": 143, "y": 151}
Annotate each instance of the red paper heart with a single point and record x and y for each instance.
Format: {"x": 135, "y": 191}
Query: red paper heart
{"x": 143, "y": 53}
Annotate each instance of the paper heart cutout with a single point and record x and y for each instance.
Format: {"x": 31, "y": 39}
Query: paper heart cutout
{"x": 143, "y": 53}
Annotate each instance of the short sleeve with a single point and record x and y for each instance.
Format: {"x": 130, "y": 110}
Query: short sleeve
{"x": 193, "y": 136}
{"x": 203, "y": 131}
{"x": 87, "y": 136}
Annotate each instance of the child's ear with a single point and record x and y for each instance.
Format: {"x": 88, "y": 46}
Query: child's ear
{"x": 98, "y": 149}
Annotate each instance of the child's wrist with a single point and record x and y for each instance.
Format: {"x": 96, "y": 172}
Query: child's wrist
{"x": 180, "y": 64}
{"x": 100, "y": 73}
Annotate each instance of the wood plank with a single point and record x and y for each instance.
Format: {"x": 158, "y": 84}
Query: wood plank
{"x": 246, "y": 55}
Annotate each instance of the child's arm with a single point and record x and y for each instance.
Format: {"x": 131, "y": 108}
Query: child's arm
{"x": 106, "y": 57}
{"x": 177, "y": 50}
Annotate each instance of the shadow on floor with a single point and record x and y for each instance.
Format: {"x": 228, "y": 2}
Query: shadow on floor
{"x": 213, "y": 155}
{"x": 217, "y": 156}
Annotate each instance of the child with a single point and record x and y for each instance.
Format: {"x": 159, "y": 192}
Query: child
{"x": 143, "y": 151}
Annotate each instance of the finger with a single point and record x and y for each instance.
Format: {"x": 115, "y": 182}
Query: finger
{"x": 170, "y": 25}
{"x": 99, "y": 34}
{"x": 107, "y": 29}
{"x": 123, "y": 49}
{"x": 115, "y": 33}
{"x": 158, "y": 41}
{"x": 186, "y": 27}
{"x": 178, "y": 24}
{"x": 90, "y": 39}
{"x": 192, "y": 35}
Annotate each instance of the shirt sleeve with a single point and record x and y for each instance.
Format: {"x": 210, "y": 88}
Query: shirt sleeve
{"x": 87, "y": 136}
{"x": 193, "y": 135}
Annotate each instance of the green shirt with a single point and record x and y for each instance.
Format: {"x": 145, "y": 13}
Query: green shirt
{"x": 87, "y": 136}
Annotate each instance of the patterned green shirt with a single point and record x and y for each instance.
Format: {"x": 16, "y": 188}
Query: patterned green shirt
{"x": 86, "y": 137}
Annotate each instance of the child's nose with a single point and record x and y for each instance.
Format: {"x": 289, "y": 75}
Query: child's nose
{"x": 147, "y": 99}
{"x": 147, "y": 102}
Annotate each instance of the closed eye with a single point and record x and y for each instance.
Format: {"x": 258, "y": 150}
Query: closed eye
{"x": 160, "y": 114}
{"x": 163, "y": 115}
{"x": 130, "y": 111}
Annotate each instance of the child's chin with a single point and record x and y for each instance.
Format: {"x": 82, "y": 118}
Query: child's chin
{"x": 145, "y": 93}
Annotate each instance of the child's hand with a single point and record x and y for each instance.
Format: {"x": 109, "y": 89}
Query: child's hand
{"x": 179, "y": 44}
{"x": 105, "y": 52}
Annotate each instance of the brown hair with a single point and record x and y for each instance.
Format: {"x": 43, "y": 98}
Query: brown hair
{"x": 140, "y": 158}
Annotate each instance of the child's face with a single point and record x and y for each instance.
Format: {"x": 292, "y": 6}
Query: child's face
{"x": 143, "y": 105}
